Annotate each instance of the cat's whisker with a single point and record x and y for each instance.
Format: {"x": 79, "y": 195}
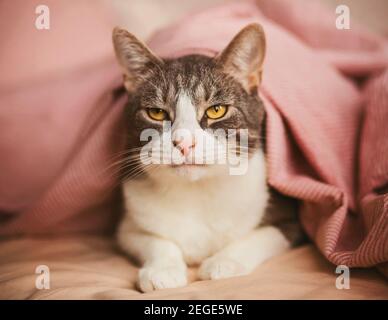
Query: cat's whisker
{"x": 122, "y": 153}
{"x": 127, "y": 174}
{"x": 120, "y": 162}
{"x": 138, "y": 170}
{"x": 135, "y": 175}
{"x": 116, "y": 168}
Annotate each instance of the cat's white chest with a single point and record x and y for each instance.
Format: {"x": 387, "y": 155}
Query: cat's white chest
{"x": 200, "y": 217}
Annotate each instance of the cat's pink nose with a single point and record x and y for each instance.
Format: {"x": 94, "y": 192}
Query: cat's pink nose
{"x": 184, "y": 146}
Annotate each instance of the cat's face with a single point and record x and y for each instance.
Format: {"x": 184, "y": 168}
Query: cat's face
{"x": 194, "y": 116}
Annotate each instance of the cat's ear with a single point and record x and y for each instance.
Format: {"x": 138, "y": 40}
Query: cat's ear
{"x": 244, "y": 56}
{"x": 134, "y": 57}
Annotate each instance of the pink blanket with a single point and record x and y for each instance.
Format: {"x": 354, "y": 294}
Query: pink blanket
{"x": 327, "y": 141}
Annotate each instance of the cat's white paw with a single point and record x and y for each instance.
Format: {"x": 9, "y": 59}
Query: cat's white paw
{"x": 218, "y": 267}
{"x": 155, "y": 277}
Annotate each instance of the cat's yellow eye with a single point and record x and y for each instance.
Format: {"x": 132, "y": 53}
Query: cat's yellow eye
{"x": 157, "y": 114}
{"x": 216, "y": 112}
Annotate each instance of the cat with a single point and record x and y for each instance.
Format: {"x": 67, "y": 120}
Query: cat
{"x": 190, "y": 212}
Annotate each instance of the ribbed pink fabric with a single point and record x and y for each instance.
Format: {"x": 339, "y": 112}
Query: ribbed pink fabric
{"x": 317, "y": 151}
{"x": 59, "y": 119}
{"x": 373, "y": 193}
{"x": 56, "y": 157}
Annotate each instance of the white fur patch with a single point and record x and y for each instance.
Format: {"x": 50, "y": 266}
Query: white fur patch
{"x": 185, "y": 114}
{"x": 203, "y": 216}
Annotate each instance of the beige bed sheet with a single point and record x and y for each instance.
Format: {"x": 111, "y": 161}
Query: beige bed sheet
{"x": 91, "y": 267}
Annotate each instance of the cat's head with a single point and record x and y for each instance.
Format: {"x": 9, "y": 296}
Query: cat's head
{"x": 194, "y": 116}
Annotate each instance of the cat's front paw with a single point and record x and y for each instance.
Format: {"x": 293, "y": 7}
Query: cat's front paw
{"x": 155, "y": 277}
{"x": 218, "y": 267}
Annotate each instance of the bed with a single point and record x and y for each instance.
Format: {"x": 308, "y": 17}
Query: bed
{"x": 91, "y": 267}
